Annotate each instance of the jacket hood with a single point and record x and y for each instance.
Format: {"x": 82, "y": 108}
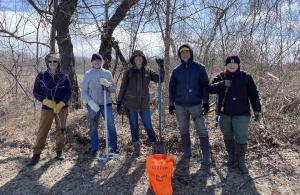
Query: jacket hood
{"x": 138, "y": 53}
{"x": 191, "y": 52}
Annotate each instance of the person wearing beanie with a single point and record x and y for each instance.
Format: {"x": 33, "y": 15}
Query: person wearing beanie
{"x": 188, "y": 95}
{"x": 235, "y": 90}
{"x": 95, "y": 81}
{"x": 135, "y": 98}
{"x": 53, "y": 89}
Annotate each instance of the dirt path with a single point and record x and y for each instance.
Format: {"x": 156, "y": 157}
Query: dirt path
{"x": 277, "y": 171}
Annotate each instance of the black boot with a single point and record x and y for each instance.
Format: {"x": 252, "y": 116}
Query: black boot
{"x": 204, "y": 145}
{"x": 59, "y": 155}
{"x": 34, "y": 160}
{"x": 136, "y": 149}
{"x": 186, "y": 143}
{"x": 240, "y": 157}
{"x": 229, "y": 144}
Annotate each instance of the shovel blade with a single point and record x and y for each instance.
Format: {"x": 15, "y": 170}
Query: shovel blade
{"x": 160, "y": 148}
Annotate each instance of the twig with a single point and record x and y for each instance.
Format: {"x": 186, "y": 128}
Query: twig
{"x": 252, "y": 179}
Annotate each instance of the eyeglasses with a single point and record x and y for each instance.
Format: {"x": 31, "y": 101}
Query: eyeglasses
{"x": 54, "y": 61}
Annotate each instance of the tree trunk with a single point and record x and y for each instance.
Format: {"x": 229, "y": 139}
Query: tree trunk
{"x": 167, "y": 44}
{"x": 53, "y": 28}
{"x": 109, "y": 27}
{"x": 65, "y": 46}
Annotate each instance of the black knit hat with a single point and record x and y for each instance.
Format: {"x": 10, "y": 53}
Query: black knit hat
{"x": 232, "y": 59}
{"x": 96, "y": 56}
{"x": 138, "y": 53}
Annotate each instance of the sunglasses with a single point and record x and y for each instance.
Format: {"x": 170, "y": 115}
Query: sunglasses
{"x": 54, "y": 61}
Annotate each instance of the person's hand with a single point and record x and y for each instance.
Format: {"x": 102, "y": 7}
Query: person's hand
{"x": 257, "y": 116}
{"x": 93, "y": 106}
{"x": 171, "y": 109}
{"x": 49, "y": 103}
{"x": 119, "y": 109}
{"x": 228, "y": 83}
{"x": 205, "y": 108}
{"x": 160, "y": 62}
{"x": 104, "y": 82}
{"x": 58, "y": 107}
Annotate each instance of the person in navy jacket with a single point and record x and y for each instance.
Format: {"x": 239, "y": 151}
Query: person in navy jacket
{"x": 188, "y": 95}
{"x": 53, "y": 89}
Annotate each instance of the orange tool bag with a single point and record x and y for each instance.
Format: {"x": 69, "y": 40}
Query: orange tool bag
{"x": 159, "y": 169}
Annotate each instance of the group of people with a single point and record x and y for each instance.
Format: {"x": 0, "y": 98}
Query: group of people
{"x": 189, "y": 90}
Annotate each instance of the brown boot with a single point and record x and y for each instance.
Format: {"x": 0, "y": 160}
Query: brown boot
{"x": 59, "y": 155}
{"x": 137, "y": 149}
{"x": 34, "y": 160}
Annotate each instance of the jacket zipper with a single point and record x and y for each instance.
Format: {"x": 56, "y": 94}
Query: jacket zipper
{"x": 187, "y": 83}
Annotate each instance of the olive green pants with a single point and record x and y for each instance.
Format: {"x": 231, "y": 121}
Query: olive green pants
{"x": 235, "y": 128}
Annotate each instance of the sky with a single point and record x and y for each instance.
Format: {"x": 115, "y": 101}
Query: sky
{"x": 12, "y": 10}
{"x": 151, "y": 43}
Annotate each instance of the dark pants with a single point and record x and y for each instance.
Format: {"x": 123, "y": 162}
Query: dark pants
{"x": 235, "y": 128}
{"x": 134, "y": 126}
{"x": 93, "y": 119}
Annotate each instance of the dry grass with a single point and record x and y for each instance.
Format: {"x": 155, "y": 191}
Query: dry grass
{"x": 273, "y": 156}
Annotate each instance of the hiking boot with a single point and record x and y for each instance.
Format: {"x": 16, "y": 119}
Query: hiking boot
{"x": 186, "y": 143}
{"x": 229, "y": 145}
{"x": 204, "y": 145}
{"x": 240, "y": 157}
{"x": 34, "y": 160}
{"x": 136, "y": 149}
{"x": 59, "y": 155}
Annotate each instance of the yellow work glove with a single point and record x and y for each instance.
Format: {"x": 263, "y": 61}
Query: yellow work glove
{"x": 58, "y": 107}
{"x": 49, "y": 103}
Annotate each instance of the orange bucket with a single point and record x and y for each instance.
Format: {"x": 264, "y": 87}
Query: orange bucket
{"x": 159, "y": 168}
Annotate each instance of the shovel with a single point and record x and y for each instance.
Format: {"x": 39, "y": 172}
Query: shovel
{"x": 104, "y": 159}
{"x": 160, "y": 146}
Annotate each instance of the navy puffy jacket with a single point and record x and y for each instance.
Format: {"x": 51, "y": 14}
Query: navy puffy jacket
{"x": 189, "y": 83}
{"x": 54, "y": 87}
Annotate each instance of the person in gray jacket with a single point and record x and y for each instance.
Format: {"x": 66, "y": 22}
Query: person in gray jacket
{"x": 95, "y": 81}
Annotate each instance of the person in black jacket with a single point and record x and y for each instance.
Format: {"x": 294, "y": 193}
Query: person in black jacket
{"x": 188, "y": 91}
{"x": 235, "y": 91}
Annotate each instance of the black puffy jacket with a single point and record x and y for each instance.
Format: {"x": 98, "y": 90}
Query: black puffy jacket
{"x": 241, "y": 93}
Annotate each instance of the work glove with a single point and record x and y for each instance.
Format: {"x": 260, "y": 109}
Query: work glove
{"x": 227, "y": 83}
{"x": 119, "y": 109}
{"x": 160, "y": 62}
{"x": 257, "y": 116}
{"x": 171, "y": 109}
{"x": 49, "y": 103}
{"x": 93, "y": 106}
{"x": 205, "y": 108}
{"x": 104, "y": 82}
{"x": 58, "y": 107}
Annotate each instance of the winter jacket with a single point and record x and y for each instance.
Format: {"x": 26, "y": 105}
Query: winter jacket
{"x": 241, "y": 91}
{"x": 189, "y": 83}
{"x": 93, "y": 90}
{"x": 134, "y": 90}
{"x": 55, "y": 87}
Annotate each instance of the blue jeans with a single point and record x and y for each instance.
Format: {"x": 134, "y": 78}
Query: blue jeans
{"x": 134, "y": 126}
{"x": 93, "y": 120}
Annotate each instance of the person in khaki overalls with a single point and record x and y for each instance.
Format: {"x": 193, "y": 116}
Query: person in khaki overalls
{"x": 53, "y": 89}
